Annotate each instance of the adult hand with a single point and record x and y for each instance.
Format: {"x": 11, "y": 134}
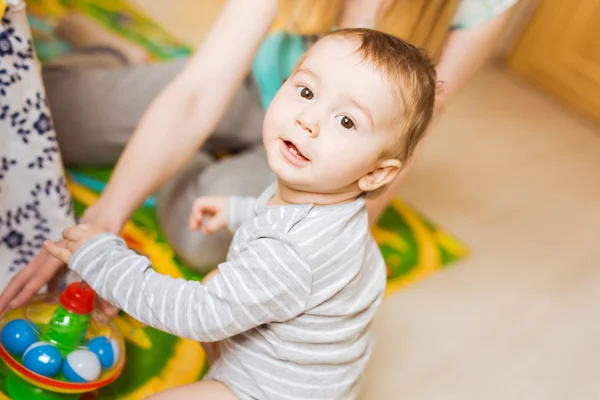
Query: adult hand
{"x": 46, "y": 269}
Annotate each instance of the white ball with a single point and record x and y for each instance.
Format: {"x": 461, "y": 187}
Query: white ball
{"x": 81, "y": 366}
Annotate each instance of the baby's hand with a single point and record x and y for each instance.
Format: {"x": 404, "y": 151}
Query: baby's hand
{"x": 215, "y": 208}
{"x": 75, "y": 237}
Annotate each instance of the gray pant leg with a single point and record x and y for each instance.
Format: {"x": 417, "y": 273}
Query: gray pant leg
{"x": 96, "y": 109}
{"x": 97, "y": 102}
{"x": 245, "y": 174}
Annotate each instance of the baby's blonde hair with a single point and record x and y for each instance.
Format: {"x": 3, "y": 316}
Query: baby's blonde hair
{"x": 423, "y": 23}
{"x": 412, "y": 79}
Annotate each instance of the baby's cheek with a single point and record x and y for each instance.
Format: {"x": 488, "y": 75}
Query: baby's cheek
{"x": 351, "y": 165}
{"x": 271, "y": 116}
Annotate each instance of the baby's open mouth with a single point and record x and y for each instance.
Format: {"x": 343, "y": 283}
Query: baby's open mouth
{"x": 294, "y": 151}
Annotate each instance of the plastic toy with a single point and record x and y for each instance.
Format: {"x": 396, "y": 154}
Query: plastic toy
{"x": 36, "y": 340}
{"x": 43, "y": 358}
{"x": 17, "y": 336}
{"x": 81, "y": 366}
{"x": 71, "y": 318}
{"x": 106, "y": 349}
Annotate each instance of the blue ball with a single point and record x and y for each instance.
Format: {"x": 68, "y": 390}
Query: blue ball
{"x": 107, "y": 351}
{"x": 81, "y": 366}
{"x": 17, "y": 336}
{"x": 43, "y": 358}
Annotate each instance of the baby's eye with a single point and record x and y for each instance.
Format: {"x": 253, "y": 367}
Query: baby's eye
{"x": 345, "y": 121}
{"x": 305, "y": 92}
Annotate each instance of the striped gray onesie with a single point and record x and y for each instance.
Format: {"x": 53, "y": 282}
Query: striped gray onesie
{"x": 291, "y": 306}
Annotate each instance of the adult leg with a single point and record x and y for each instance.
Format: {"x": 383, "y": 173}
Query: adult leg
{"x": 97, "y": 100}
{"x": 244, "y": 174}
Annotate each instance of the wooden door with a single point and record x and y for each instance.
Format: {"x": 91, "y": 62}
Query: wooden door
{"x": 560, "y": 50}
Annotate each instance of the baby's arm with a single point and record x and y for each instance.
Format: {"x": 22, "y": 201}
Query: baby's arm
{"x": 241, "y": 209}
{"x": 268, "y": 281}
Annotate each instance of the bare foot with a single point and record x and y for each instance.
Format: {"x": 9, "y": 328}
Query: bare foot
{"x": 81, "y": 31}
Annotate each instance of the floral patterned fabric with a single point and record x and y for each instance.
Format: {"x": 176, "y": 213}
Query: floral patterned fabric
{"x": 34, "y": 201}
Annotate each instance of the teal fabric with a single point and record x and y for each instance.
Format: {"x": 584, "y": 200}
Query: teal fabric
{"x": 275, "y": 61}
{"x": 280, "y": 51}
{"x": 471, "y": 13}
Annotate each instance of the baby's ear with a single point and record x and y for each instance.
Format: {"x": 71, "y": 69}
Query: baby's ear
{"x": 384, "y": 173}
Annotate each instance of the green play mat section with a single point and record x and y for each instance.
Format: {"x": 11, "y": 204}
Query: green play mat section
{"x": 413, "y": 246}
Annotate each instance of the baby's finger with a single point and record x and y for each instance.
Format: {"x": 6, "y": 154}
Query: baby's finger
{"x": 59, "y": 252}
{"x": 73, "y": 233}
{"x": 195, "y": 220}
{"x": 214, "y": 224}
{"x": 205, "y": 205}
{"x": 197, "y": 209}
{"x": 71, "y": 246}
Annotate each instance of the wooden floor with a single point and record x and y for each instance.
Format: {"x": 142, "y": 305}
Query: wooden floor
{"x": 517, "y": 177}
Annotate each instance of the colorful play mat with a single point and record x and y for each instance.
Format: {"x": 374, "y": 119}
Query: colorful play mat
{"x": 413, "y": 246}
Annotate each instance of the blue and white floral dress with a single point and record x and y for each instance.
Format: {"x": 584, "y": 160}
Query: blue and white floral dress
{"x": 34, "y": 202}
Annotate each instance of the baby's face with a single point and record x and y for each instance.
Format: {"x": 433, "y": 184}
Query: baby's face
{"x": 330, "y": 121}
